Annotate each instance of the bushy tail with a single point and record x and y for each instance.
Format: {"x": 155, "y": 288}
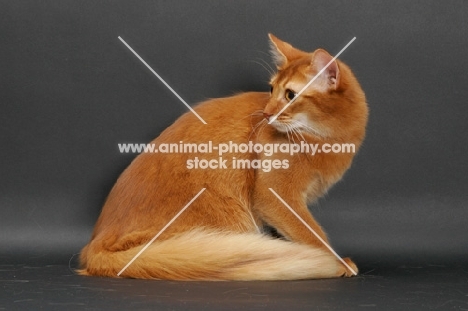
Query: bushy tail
{"x": 202, "y": 255}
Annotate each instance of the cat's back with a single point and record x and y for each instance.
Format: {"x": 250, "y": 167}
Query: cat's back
{"x": 233, "y": 107}
{"x": 228, "y": 118}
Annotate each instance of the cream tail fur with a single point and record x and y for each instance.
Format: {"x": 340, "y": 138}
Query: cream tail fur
{"x": 202, "y": 255}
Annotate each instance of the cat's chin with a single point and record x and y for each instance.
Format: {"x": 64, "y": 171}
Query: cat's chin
{"x": 298, "y": 129}
{"x": 281, "y": 127}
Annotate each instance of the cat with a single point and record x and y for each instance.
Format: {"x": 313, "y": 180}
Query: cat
{"x": 221, "y": 235}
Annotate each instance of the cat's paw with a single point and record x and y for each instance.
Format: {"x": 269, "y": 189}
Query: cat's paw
{"x": 346, "y": 271}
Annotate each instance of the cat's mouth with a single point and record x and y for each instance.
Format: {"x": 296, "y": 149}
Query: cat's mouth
{"x": 281, "y": 126}
{"x": 289, "y": 125}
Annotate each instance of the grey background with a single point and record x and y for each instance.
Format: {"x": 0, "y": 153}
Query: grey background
{"x": 71, "y": 91}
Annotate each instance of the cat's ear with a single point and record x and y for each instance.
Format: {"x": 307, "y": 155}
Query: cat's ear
{"x": 283, "y": 52}
{"x": 331, "y": 76}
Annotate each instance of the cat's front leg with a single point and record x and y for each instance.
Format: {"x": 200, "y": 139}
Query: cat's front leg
{"x": 274, "y": 212}
{"x": 347, "y": 272}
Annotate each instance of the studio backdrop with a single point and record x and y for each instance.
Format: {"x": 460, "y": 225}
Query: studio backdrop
{"x": 71, "y": 91}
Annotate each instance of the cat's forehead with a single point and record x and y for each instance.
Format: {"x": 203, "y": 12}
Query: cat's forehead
{"x": 294, "y": 80}
{"x": 284, "y": 77}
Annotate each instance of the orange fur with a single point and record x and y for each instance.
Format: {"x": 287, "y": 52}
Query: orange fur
{"x": 217, "y": 237}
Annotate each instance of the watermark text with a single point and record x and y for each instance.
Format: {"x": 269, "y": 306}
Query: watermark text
{"x": 231, "y": 147}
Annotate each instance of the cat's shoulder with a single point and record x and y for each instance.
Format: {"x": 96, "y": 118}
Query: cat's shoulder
{"x": 247, "y": 99}
{"x": 243, "y": 96}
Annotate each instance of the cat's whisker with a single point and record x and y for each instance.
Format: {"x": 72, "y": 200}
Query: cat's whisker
{"x": 310, "y": 129}
{"x": 287, "y": 132}
{"x": 254, "y": 128}
{"x": 298, "y": 131}
{"x": 293, "y": 132}
{"x": 271, "y": 71}
{"x": 268, "y": 56}
{"x": 263, "y": 126}
{"x": 259, "y": 122}
{"x": 255, "y": 113}
{"x": 299, "y": 135}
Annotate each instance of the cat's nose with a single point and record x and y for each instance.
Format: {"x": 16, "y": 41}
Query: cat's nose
{"x": 267, "y": 115}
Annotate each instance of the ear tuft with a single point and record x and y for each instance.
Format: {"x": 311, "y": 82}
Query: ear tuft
{"x": 283, "y": 52}
{"x": 278, "y": 57}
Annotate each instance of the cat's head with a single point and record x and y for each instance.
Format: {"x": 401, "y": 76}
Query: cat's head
{"x": 332, "y": 107}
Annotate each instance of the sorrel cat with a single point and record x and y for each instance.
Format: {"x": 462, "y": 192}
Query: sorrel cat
{"x": 220, "y": 235}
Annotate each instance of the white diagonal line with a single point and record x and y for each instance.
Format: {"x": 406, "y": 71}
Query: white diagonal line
{"x": 162, "y": 80}
{"x": 311, "y": 81}
{"x": 313, "y": 231}
{"x": 159, "y": 233}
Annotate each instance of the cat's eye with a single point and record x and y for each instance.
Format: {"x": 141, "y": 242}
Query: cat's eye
{"x": 289, "y": 94}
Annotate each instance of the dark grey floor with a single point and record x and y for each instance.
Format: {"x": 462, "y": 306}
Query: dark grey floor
{"x": 48, "y": 282}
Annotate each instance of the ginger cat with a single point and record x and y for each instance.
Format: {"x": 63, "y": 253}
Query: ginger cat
{"x": 220, "y": 235}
